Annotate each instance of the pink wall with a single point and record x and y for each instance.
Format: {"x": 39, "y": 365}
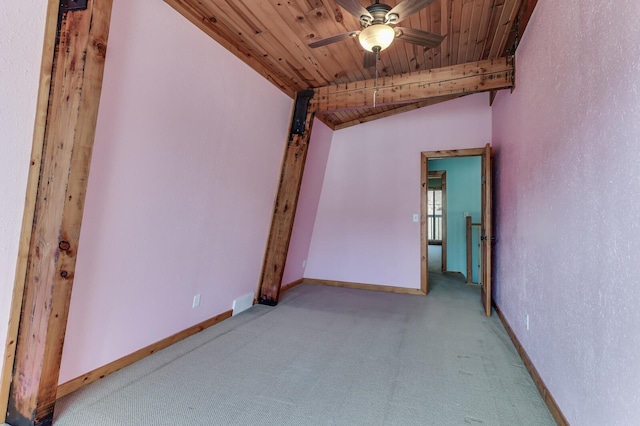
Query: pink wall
{"x": 186, "y": 161}
{"x": 21, "y": 35}
{"x": 567, "y": 145}
{"x": 363, "y": 230}
{"x": 308, "y": 202}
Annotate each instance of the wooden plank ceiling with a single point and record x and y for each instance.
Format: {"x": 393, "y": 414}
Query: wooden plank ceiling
{"x": 272, "y": 36}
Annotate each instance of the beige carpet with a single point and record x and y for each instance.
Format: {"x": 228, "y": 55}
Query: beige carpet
{"x": 434, "y": 254}
{"x": 328, "y": 356}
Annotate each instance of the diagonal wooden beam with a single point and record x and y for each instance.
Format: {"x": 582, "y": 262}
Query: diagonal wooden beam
{"x": 71, "y": 84}
{"x": 520, "y": 25}
{"x": 286, "y": 202}
{"x": 243, "y": 51}
{"x": 464, "y": 79}
{"x": 27, "y": 220}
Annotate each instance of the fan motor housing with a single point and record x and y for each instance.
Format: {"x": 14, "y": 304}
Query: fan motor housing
{"x": 378, "y": 12}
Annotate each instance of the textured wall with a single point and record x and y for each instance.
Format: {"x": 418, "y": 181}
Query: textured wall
{"x": 567, "y": 145}
{"x": 364, "y": 230}
{"x": 187, "y": 156}
{"x": 308, "y": 202}
{"x": 21, "y": 35}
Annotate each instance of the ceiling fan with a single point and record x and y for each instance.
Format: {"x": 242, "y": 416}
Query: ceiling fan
{"x": 378, "y": 30}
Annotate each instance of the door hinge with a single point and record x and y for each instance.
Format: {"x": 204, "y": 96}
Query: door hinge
{"x": 68, "y": 5}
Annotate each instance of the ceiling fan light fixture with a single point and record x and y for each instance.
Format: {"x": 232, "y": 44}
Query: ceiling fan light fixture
{"x": 376, "y": 37}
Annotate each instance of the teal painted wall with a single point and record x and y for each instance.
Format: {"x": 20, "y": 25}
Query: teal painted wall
{"x": 464, "y": 189}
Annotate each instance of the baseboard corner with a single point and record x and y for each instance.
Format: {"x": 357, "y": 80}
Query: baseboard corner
{"x": 289, "y": 286}
{"x": 363, "y": 286}
{"x": 74, "y": 384}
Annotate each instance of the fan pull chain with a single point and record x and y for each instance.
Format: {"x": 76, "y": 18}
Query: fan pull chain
{"x": 375, "y": 92}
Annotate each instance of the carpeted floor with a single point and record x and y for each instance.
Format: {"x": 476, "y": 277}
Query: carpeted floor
{"x": 434, "y": 256}
{"x": 328, "y": 356}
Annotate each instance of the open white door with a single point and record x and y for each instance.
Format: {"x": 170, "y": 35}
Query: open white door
{"x": 487, "y": 231}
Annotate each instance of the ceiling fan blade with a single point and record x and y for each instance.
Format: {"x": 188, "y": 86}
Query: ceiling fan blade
{"x": 419, "y": 37}
{"x": 369, "y": 60}
{"x": 406, "y": 8}
{"x": 354, "y": 7}
{"x": 333, "y": 39}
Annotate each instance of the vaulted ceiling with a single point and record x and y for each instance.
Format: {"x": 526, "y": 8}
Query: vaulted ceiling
{"x": 273, "y": 36}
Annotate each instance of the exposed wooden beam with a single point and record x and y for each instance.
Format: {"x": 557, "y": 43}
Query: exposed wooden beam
{"x": 520, "y": 25}
{"x": 447, "y": 153}
{"x": 462, "y": 79}
{"x": 286, "y": 202}
{"x": 492, "y": 97}
{"x": 30, "y": 201}
{"x": 398, "y": 110}
{"x": 208, "y": 24}
{"x": 73, "y": 89}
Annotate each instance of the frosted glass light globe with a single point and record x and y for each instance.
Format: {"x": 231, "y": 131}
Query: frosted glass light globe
{"x": 376, "y": 36}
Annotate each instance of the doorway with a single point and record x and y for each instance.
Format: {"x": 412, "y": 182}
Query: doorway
{"x": 437, "y": 220}
{"x": 485, "y": 217}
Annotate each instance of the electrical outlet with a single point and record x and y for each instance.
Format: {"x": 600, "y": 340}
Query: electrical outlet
{"x": 416, "y": 218}
{"x": 526, "y": 320}
{"x": 196, "y": 301}
{"x": 304, "y": 263}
